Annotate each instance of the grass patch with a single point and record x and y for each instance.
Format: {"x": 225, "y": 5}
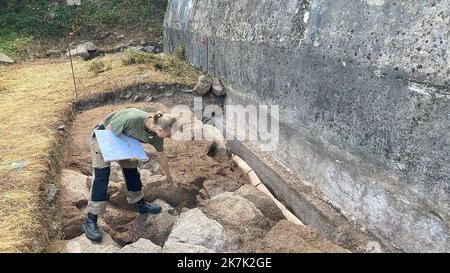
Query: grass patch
{"x": 43, "y": 20}
{"x": 35, "y": 99}
{"x": 180, "y": 52}
{"x": 131, "y": 57}
{"x": 98, "y": 66}
{"x": 15, "y": 46}
{"x": 174, "y": 63}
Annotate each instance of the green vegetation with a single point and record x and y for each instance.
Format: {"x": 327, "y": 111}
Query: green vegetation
{"x": 174, "y": 63}
{"x": 14, "y": 45}
{"x": 98, "y": 66}
{"x": 180, "y": 52}
{"x": 131, "y": 57}
{"x": 21, "y": 21}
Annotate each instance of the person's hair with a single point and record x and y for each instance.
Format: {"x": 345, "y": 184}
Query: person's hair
{"x": 165, "y": 121}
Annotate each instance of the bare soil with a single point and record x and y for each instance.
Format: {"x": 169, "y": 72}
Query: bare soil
{"x": 188, "y": 160}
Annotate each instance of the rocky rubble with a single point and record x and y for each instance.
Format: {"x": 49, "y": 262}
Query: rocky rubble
{"x": 177, "y": 247}
{"x": 205, "y": 84}
{"x": 230, "y": 218}
{"x": 85, "y": 50}
{"x": 74, "y": 188}
{"x": 141, "y": 246}
{"x": 288, "y": 237}
{"x": 261, "y": 201}
{"x": 195, "y": 228}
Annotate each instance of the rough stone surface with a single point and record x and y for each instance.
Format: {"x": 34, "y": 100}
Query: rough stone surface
{"x": 119, "y": 220}
{"x": 152, "y": 186}
{"x": 261, "y": 201}
{"x": 217, "y": 88}
{"x": 245, "y": 225}
{"x": 71, "y": 220}
{"x": 220, "y": 185}
{"x": 5, "y": 59}
{"x": 203, "y": 86}
{"x": 82, "y": 244}
{"x": 149, "y": 49}
{"x": 151, "y": 168}
{"x": 73, "y": 188}
{"x": 194, "y": 227}
{"x": 84, "y": 50}
{"x": 231, "y": 209}
{"x": 177, "y": 247}
{"x": 287, "y": 237}
{"x": 165, "y": 207}
{"x": 141, "y": 246}
{"x": 364, "y": 117}
{"x": 120, "y": 198}
{"x": 177, "y": 195}
{"x": 154, "y": 227}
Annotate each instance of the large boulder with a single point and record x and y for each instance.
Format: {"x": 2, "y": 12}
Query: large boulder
{"x": 141, "y": 246}
{"x": 218, "y": 88}
{"x": 82, "y": 244}
{"x": 154, "y": 227}
{"x": 5, "y": 59}
{"x": 243, "y": 221}
{"x": 231, "y": 209}
{"x": 220, "y": 185}
{"x": 203, "y": 86}
{"x": 195, "y": 228}
{"x": 118, "y": 219}
{"x": 177, "y": 247}
{"x": 263, "y": 202}
{"x": 127, "y": 227}
{"x": 84, "y": 50}
{"x": 119, "y": 198}
{"x": 71, "y": 220}
{"x": 287, "y": 237}
{"x": 73, "y": 189}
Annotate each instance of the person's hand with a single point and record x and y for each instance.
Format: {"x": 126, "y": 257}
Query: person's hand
{"x": 169, "y": 179}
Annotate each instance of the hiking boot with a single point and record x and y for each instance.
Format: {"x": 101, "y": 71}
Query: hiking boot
{"x": 144, "y": 207}
{"x": 91, "y": 229}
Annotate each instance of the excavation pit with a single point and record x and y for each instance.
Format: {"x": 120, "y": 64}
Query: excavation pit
{"x": 210, "y": 207}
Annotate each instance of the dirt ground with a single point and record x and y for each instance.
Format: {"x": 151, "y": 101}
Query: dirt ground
{"x": 41, "y": 95}
{"x": 188, "y": 160}
{"x": 189, "y": 163}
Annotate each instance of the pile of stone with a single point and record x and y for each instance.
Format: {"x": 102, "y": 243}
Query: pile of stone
{"x": 85, "y": 50}
{"x": 206, "y": 84}
{"x": 222, "y": 216}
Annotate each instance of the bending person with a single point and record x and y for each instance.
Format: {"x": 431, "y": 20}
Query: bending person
{"x": 148, "y": 128}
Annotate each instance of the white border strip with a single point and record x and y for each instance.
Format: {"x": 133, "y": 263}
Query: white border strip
{"x": 254, "y": 180}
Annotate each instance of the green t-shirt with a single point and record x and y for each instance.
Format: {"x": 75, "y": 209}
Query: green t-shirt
{"x": 130, "y": 122}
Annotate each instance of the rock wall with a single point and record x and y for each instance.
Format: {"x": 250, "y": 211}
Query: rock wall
{"x": 363, "y": 89}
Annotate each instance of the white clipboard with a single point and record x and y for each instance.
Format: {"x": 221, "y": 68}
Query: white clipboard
{"x": 120, "y": 147}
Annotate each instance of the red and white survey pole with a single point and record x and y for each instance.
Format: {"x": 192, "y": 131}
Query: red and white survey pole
{"x": 71, "y": 37}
